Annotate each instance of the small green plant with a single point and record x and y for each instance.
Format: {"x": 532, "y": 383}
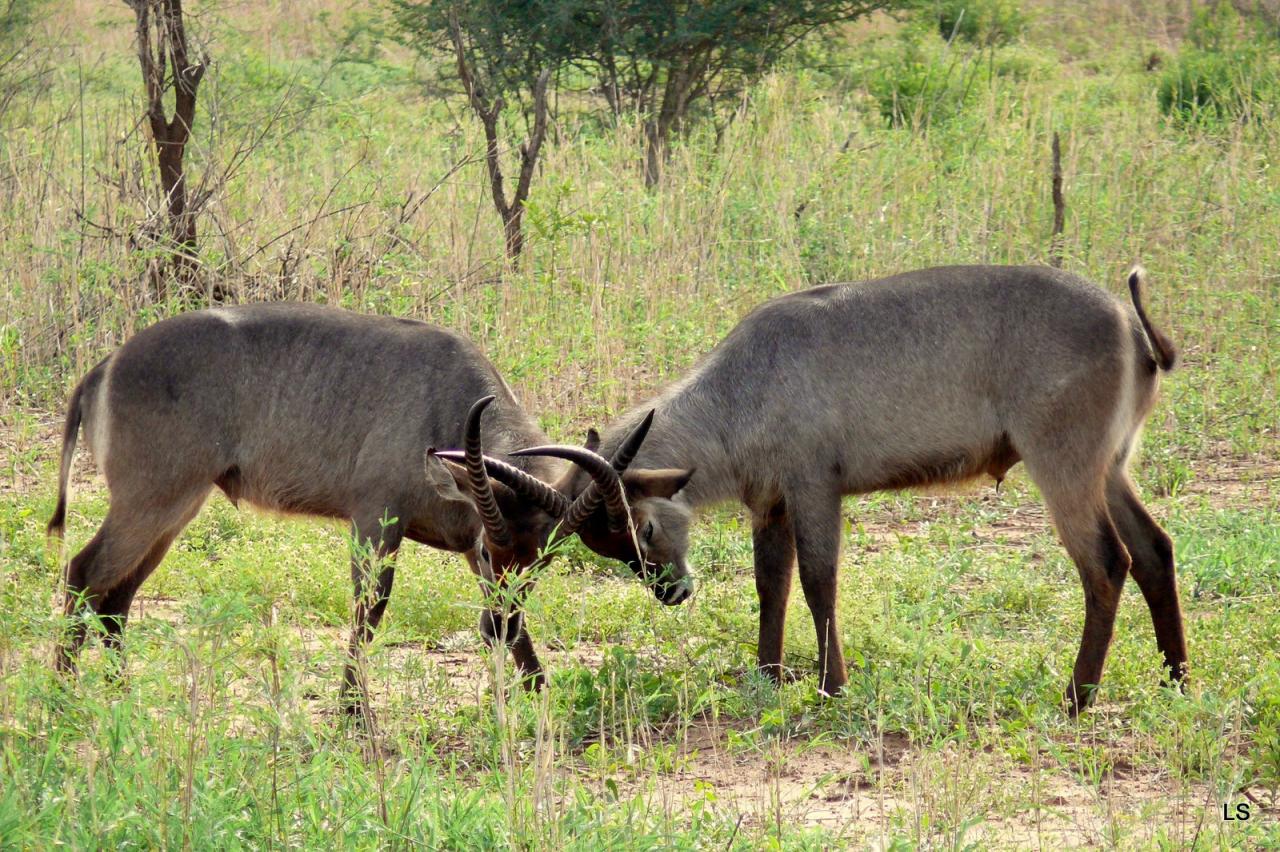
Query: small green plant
{"x": 1264, "y": 754}
{"x": 622, "y": 692}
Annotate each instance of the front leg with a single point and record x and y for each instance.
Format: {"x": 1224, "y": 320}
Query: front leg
{"x": 815, "y": 520}
{"x": 510, "y": 630}
{"x": 374, "y": 547}
{"x": 775, "y": 552}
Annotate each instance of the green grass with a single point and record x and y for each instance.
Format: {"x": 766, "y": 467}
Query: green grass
{"x": 959, "y": 644}
{"x": 889, "y": 149}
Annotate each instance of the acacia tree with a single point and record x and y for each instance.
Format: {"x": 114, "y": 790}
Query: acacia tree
{"x": 161, "y": 41}
{"x": 659, "y": 59}
{"x": 665, "y": 58}
{"x": 488, "y": 110}
{"x": 497, "y": 59}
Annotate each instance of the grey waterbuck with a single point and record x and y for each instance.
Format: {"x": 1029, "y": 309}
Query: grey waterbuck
{"x": 927, "y": 377}
{"x": 318, "y": 411}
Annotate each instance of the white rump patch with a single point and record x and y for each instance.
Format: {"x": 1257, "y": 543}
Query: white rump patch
{"x": 98, "y": 428}
{"x": 228, "y": 316}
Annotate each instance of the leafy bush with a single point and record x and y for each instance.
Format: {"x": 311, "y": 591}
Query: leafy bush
{"x": 1227, "y": 73}
{"x": 982, "y": 22}
{"x": 916, "y": 85}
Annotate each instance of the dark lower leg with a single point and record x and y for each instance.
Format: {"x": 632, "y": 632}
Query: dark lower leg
{"x": 509, "y": 629}
{"x": 371, "y": 603}
{"x": 774, "y": 552}
{"x": 368, "y": 615}
{"x": 1103, "y": 567}
{"x": 74, "y": 604}
{"x": 526, "y": 659}
{"x": 817, "y": 537}
{"x": 114, "y": 606}
{"x": 1153, "y": 570}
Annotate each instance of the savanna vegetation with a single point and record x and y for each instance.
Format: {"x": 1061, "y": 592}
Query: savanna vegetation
{"x": 335, "y": 158}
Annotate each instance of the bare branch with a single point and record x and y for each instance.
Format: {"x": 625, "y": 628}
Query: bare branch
{"x": 161, "y": 44}
{"x": 1059, "y": 206}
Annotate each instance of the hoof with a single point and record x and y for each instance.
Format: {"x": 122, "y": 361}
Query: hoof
{"x": 1079, "y": 699}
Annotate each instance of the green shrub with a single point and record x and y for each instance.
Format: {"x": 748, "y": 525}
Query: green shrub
{"x": 982, "y": 22}
{"x": 916, "y": 85}
{"x": 1228, "y": 72}
{"x": 1264, "y": 754}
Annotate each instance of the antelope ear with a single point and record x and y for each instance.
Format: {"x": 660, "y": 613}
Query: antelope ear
{"x": 664, "y": 482}
{"x": 447, "y": 479}
{"x": 450, "y": 482}
{"x": 593, "y": 440}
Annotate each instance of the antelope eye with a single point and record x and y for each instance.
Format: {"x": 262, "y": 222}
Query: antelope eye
{"x": 484, "y": 554}
{"x": 647, "y": 532}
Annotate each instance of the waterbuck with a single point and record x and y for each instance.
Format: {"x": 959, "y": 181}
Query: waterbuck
{"x": 318, "y": 411}
{"x": 933, "y": 376}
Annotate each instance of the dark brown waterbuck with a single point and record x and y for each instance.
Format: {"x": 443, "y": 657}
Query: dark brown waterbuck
{"x": 934, "y": 376}
{"x": 318, "y": 411}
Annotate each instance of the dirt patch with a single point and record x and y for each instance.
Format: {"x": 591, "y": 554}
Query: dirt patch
{"x": 29, "y": 447}
{"x": 1228, "y": 480}
{"x": 871, "y": 793}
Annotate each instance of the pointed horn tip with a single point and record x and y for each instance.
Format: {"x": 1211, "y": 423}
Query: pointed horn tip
{"x": 477, "y": 409}
{"x": 453, "y": 457}
{"x": 642, "y": 428}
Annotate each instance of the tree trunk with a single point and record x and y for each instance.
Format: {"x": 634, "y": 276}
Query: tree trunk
{"x": 161, "y": 21}
{"x": 671, "y": 113}
{"x": 655, "y": 146}
{"x": 511, "y": 212}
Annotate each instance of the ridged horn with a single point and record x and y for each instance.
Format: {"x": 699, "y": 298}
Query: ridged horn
{"x": 590, "y": 497}
{"x": 478, "y": 479}
{"x": 605, "y": 480}
{"x": 524, "y": 485}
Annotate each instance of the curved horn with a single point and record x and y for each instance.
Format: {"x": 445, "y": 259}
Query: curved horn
{"x": 478, "y": 478}
{"x": 626, "y": 452}
{"x": 523, "y": 484}
{"x": 604, "y": 478}
{"x": 590, "y": 497}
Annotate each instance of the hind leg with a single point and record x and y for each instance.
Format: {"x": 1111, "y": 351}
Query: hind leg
{"x": 105, "y": 575}
{"x": 1153, "y": 570}
{"x": 77, "y": 596}
{"x": 114, "y": 607}
{"x": 1075, "y": 494}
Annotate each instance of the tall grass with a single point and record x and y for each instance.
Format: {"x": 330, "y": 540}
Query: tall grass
{"x": 344, "y": 183}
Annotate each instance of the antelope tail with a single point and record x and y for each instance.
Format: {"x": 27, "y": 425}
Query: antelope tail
{"x": 1166, "y": 354}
